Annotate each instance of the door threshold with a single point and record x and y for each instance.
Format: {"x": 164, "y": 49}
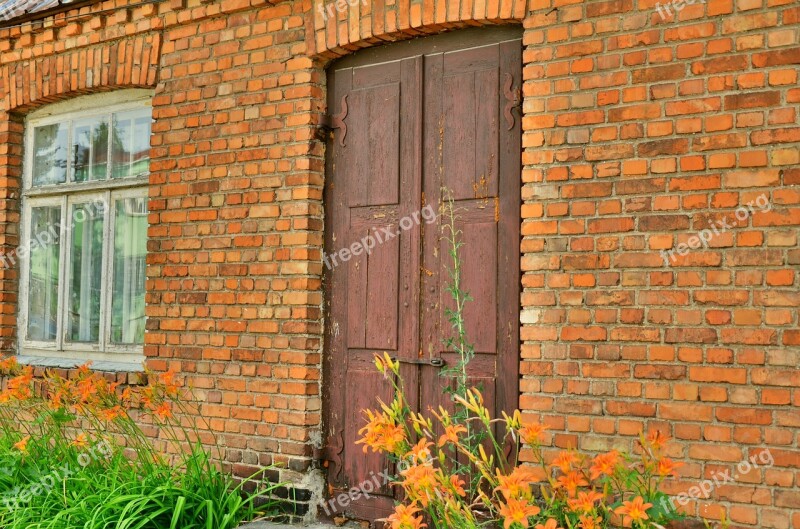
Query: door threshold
{"x": 273, "y": 525}
{"x": 317, "y": 525}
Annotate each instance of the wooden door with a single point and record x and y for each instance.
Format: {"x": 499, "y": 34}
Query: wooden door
{"x": 411, "y": 120}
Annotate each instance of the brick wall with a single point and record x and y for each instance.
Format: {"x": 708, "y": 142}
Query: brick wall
{"x": 639, "y": 131}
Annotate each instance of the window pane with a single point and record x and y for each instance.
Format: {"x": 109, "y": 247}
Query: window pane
{"x": 130, "y": 148}
{"x": 85, "y": 271}
{"x": 50, "y": 154}
{"x": 43, "y": 284}
{"x": 130, "y": 249}
{"x": 90, "y": 149}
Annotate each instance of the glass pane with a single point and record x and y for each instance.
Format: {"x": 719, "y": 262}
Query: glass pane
{"x": 130, "y": 249}
{"x": 90, "y": 149}
{"x": 43, "y": 283}
{"x": 130, "y": 149}
{"x": 85, "y": 274}
{"x": 50, "y": 154}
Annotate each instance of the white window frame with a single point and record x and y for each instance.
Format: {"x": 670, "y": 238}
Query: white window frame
{"x": 67, "y": 195}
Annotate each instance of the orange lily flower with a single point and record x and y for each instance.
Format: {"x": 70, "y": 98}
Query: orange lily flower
{"x": 457, "y": 485}
{"x": 636, "y": 510}
{"x": 565, "y": 460}
{"x": 517, "y": 484}
{"x": 550, "y": 524}
{"x": 80, "y": 441}
{"x": 421, "y": 452}
{"x": 585, "y": 501}
{"x": 22, "y": 445}
{"x": 657, "y": 440}
{"x": 532, "y": 434}
{"x": 451, "y": 434}
{"x": 419, "y": 482}
{"x": 604, "y": 464}
{"x": 112, "y": 413}
{"x": 164, "y": 411}
{"x": 668, "y": 467}
{"x": 589, "y": 522}
{"x": 381, "y": 433}
{"x": 404, "y": 517}
{"x": 571, "y": 481}
{"x": 517, "y": 511}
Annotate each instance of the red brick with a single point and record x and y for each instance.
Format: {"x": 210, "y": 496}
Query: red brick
{"x": 619, "y": 163}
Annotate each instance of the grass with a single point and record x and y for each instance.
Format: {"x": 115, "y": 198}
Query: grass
{"x": 72, "y": 458}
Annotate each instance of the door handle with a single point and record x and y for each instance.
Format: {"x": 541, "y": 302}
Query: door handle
{"x": 435, "y": 362}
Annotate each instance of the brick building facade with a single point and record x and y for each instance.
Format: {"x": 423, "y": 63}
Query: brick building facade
{"x": 642, "y": 125}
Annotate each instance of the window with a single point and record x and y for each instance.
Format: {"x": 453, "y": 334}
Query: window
{"x": 84, "y": 233}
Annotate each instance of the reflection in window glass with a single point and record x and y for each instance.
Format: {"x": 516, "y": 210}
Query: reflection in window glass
{"x": 90, "y": 149}
{"x": 85, "y": 271}
{"x": 44, "y": 269}
{"x": 50, "y": 154}
{"x": 130, "y": 249}
{"x": 130, "y": 143}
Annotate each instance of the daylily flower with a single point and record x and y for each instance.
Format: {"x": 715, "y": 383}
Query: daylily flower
{"x": 381, "y": 433}
{"x": 657, "y": 440}
{"x": 404, "y": 517}
{"x": 80, "y": 441}
{"x": 589, "y": 522}
{"x": 585, "y": 501}
{"x": 565, "y": 460}
{"x": 667, "y": 467}
{"x": 419, "y": 482}
{"x": 457, "y": 485}
{"x": 421, "y": 451}
{"x": 604, "y": 464}
{"x": 517, "y": 484}
{"x": 571, "y": 481}
{"x": 636, "y": 510}
{"x": 550, "y": 524}
{"x": 112, "y": 413}
{"x": 22, "y": 445}
{"x": 451, "y": 434}
{"x": 532, "y": 434}
{"x": 164, "y": 411}
{"x": 517, "y": 511}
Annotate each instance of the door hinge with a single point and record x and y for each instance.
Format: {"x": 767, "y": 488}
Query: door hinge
{"x": 337, "y": 120}
{"x": 513, "y": 98}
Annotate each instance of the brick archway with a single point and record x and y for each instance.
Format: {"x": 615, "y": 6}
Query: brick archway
{"x": 357, "y": 24}
{"x": 127, "y": 63}
{"x": 43, "y": 79}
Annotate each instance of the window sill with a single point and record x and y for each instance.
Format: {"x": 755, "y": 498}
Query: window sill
{"x": 69, "y": 363}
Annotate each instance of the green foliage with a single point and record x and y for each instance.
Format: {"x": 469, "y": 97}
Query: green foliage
{"x": 75, "y": 459}
{"x": 454, "y": 472}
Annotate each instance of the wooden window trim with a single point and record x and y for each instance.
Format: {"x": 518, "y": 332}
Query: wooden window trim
{"x": 61, "y": 353}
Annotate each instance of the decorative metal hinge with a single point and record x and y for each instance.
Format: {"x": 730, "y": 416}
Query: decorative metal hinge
{"x": 513, "y": 98}
{"x": 337, "y": 120}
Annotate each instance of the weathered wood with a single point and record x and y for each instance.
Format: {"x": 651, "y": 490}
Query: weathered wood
{"x": 418, "y": 124}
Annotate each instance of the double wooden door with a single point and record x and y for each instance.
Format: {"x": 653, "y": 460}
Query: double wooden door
{"x": 413, "y": 123}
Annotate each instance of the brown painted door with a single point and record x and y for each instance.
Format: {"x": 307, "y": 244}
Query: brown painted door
{"x": 411, "y": 120}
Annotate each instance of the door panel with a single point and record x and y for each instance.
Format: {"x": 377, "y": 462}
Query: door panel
{"x": 416, "y": 124}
